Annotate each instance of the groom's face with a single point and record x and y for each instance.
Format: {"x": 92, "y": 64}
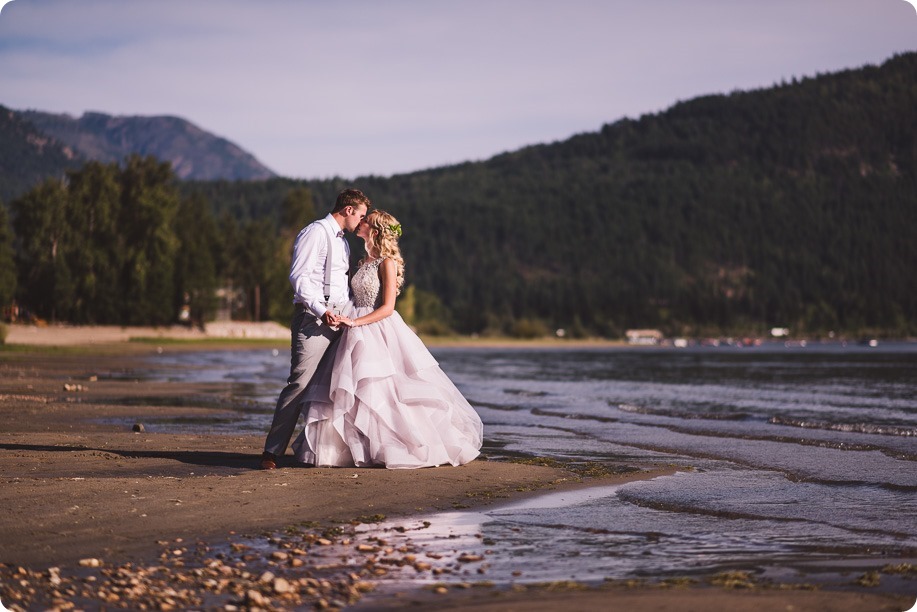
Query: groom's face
{"x": 353, "y": 218}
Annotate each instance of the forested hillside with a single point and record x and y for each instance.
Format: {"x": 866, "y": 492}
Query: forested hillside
{"x": 790, "y": 206}
{"x": 28, "y": 156}
{"x": 794, "y": 205}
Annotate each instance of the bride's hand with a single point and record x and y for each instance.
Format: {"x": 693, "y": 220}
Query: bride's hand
{"x": 345, "y": 321}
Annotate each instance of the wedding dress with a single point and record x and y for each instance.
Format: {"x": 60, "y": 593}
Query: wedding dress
{"x": 382, "y": 400}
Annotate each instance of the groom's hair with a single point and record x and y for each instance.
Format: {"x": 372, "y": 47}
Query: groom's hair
{"x": 351, "y": 197}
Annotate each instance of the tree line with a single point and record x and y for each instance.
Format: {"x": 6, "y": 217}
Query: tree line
{"x": 124, "y": 244}
{"x": 119, "y": 244}
{"x": 791, "y": 206}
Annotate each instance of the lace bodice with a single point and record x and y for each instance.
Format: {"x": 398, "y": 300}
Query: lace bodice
{"x": 366, "y": 285}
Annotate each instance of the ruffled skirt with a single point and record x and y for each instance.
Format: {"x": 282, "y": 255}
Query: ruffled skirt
{"x": 383, "y": 400}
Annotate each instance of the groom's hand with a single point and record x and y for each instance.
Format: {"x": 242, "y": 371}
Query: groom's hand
{"x": 329, "y": 319}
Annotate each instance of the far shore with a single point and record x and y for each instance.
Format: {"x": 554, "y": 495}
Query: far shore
{"x": 225, "y": 334}
{"x": 240, "y": 334}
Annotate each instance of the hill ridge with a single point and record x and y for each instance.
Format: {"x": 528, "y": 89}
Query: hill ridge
{"x": 195, "y": 153}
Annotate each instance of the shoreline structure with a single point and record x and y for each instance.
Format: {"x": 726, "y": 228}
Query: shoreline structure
{"x": 96, "y": 514}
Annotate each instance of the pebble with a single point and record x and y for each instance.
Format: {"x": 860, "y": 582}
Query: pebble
{"x": 266, "y": 577}
{"x": 238, "y": 576}
{"x": 255, "y": 598}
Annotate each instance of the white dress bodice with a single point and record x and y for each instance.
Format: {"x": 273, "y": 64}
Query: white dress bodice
{"x": 366, "y": 286}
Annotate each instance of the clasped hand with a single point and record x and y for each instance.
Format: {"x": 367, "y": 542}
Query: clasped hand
{"x": 334, "y": 321}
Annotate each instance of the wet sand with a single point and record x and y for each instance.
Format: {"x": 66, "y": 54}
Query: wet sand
{"x": 75, "y": 486}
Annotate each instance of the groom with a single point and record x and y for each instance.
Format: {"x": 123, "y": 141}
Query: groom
{"x": 321, "y": 260}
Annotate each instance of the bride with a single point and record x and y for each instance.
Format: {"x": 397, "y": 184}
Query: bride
{"x": 380, "y": 398}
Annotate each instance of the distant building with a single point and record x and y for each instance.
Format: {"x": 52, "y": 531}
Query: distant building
{"x": 647, "y": 337}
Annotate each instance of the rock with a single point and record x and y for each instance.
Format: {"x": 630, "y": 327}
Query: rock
{"x": 266, "y": 577}
{"x": 91, "y": 562}
{"x": 254, "y": 598}
{"x": 281, "y": 586}
{"x": 138, "y": 427}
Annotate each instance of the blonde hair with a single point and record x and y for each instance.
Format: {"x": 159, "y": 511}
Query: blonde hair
{"x": 383, "y": 241}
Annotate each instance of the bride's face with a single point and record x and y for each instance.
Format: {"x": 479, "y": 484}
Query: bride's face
{"x": 363, "y": 230}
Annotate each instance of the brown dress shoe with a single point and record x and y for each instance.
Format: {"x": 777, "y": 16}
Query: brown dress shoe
{"x": 268, "y": 461}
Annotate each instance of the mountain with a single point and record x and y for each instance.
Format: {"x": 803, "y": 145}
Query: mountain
{"x": 28, "y": 156}
{"x": 193, "y": 152}
{"x": 791, "y": 206}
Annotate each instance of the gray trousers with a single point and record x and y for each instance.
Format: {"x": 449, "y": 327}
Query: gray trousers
{"x": 310, "y": 342}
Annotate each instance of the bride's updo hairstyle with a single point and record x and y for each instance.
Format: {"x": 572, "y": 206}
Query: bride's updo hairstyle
{"x": 383, "y": 241}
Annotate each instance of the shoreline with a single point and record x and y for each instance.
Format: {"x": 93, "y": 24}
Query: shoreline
{"x": 241, "y": 334}
{"x": 68, "y": 476}
{"x": 76, "y": 489}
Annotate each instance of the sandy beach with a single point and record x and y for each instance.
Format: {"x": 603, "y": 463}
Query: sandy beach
{"x": 88, "y": 502}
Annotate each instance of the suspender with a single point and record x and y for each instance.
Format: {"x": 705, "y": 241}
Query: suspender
{"x": 328, "y": 261}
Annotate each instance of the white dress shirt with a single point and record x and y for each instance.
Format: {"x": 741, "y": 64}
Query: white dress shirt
{"x": 307, "y": 272}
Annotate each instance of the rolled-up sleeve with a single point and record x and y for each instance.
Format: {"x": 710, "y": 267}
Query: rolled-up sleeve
{"x": 308, "y": 256}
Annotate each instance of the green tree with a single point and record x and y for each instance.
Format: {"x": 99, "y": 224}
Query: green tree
{"x": 100, "y": 246}
{"x": 7, "y": 262}
{"x": 297, "y": 210}
{"x": 195, "y": 263}
{"x": 96, "y": 248}
{"x": 40, "y": 223}
{"x": 149, "y": 203}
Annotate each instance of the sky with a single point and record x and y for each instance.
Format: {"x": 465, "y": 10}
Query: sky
{"x": 322, "y": 88}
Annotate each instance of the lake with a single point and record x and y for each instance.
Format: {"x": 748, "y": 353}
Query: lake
{"x": 792, "y": 460}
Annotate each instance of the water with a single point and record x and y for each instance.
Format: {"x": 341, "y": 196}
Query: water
{"x": 788, "y": 457}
